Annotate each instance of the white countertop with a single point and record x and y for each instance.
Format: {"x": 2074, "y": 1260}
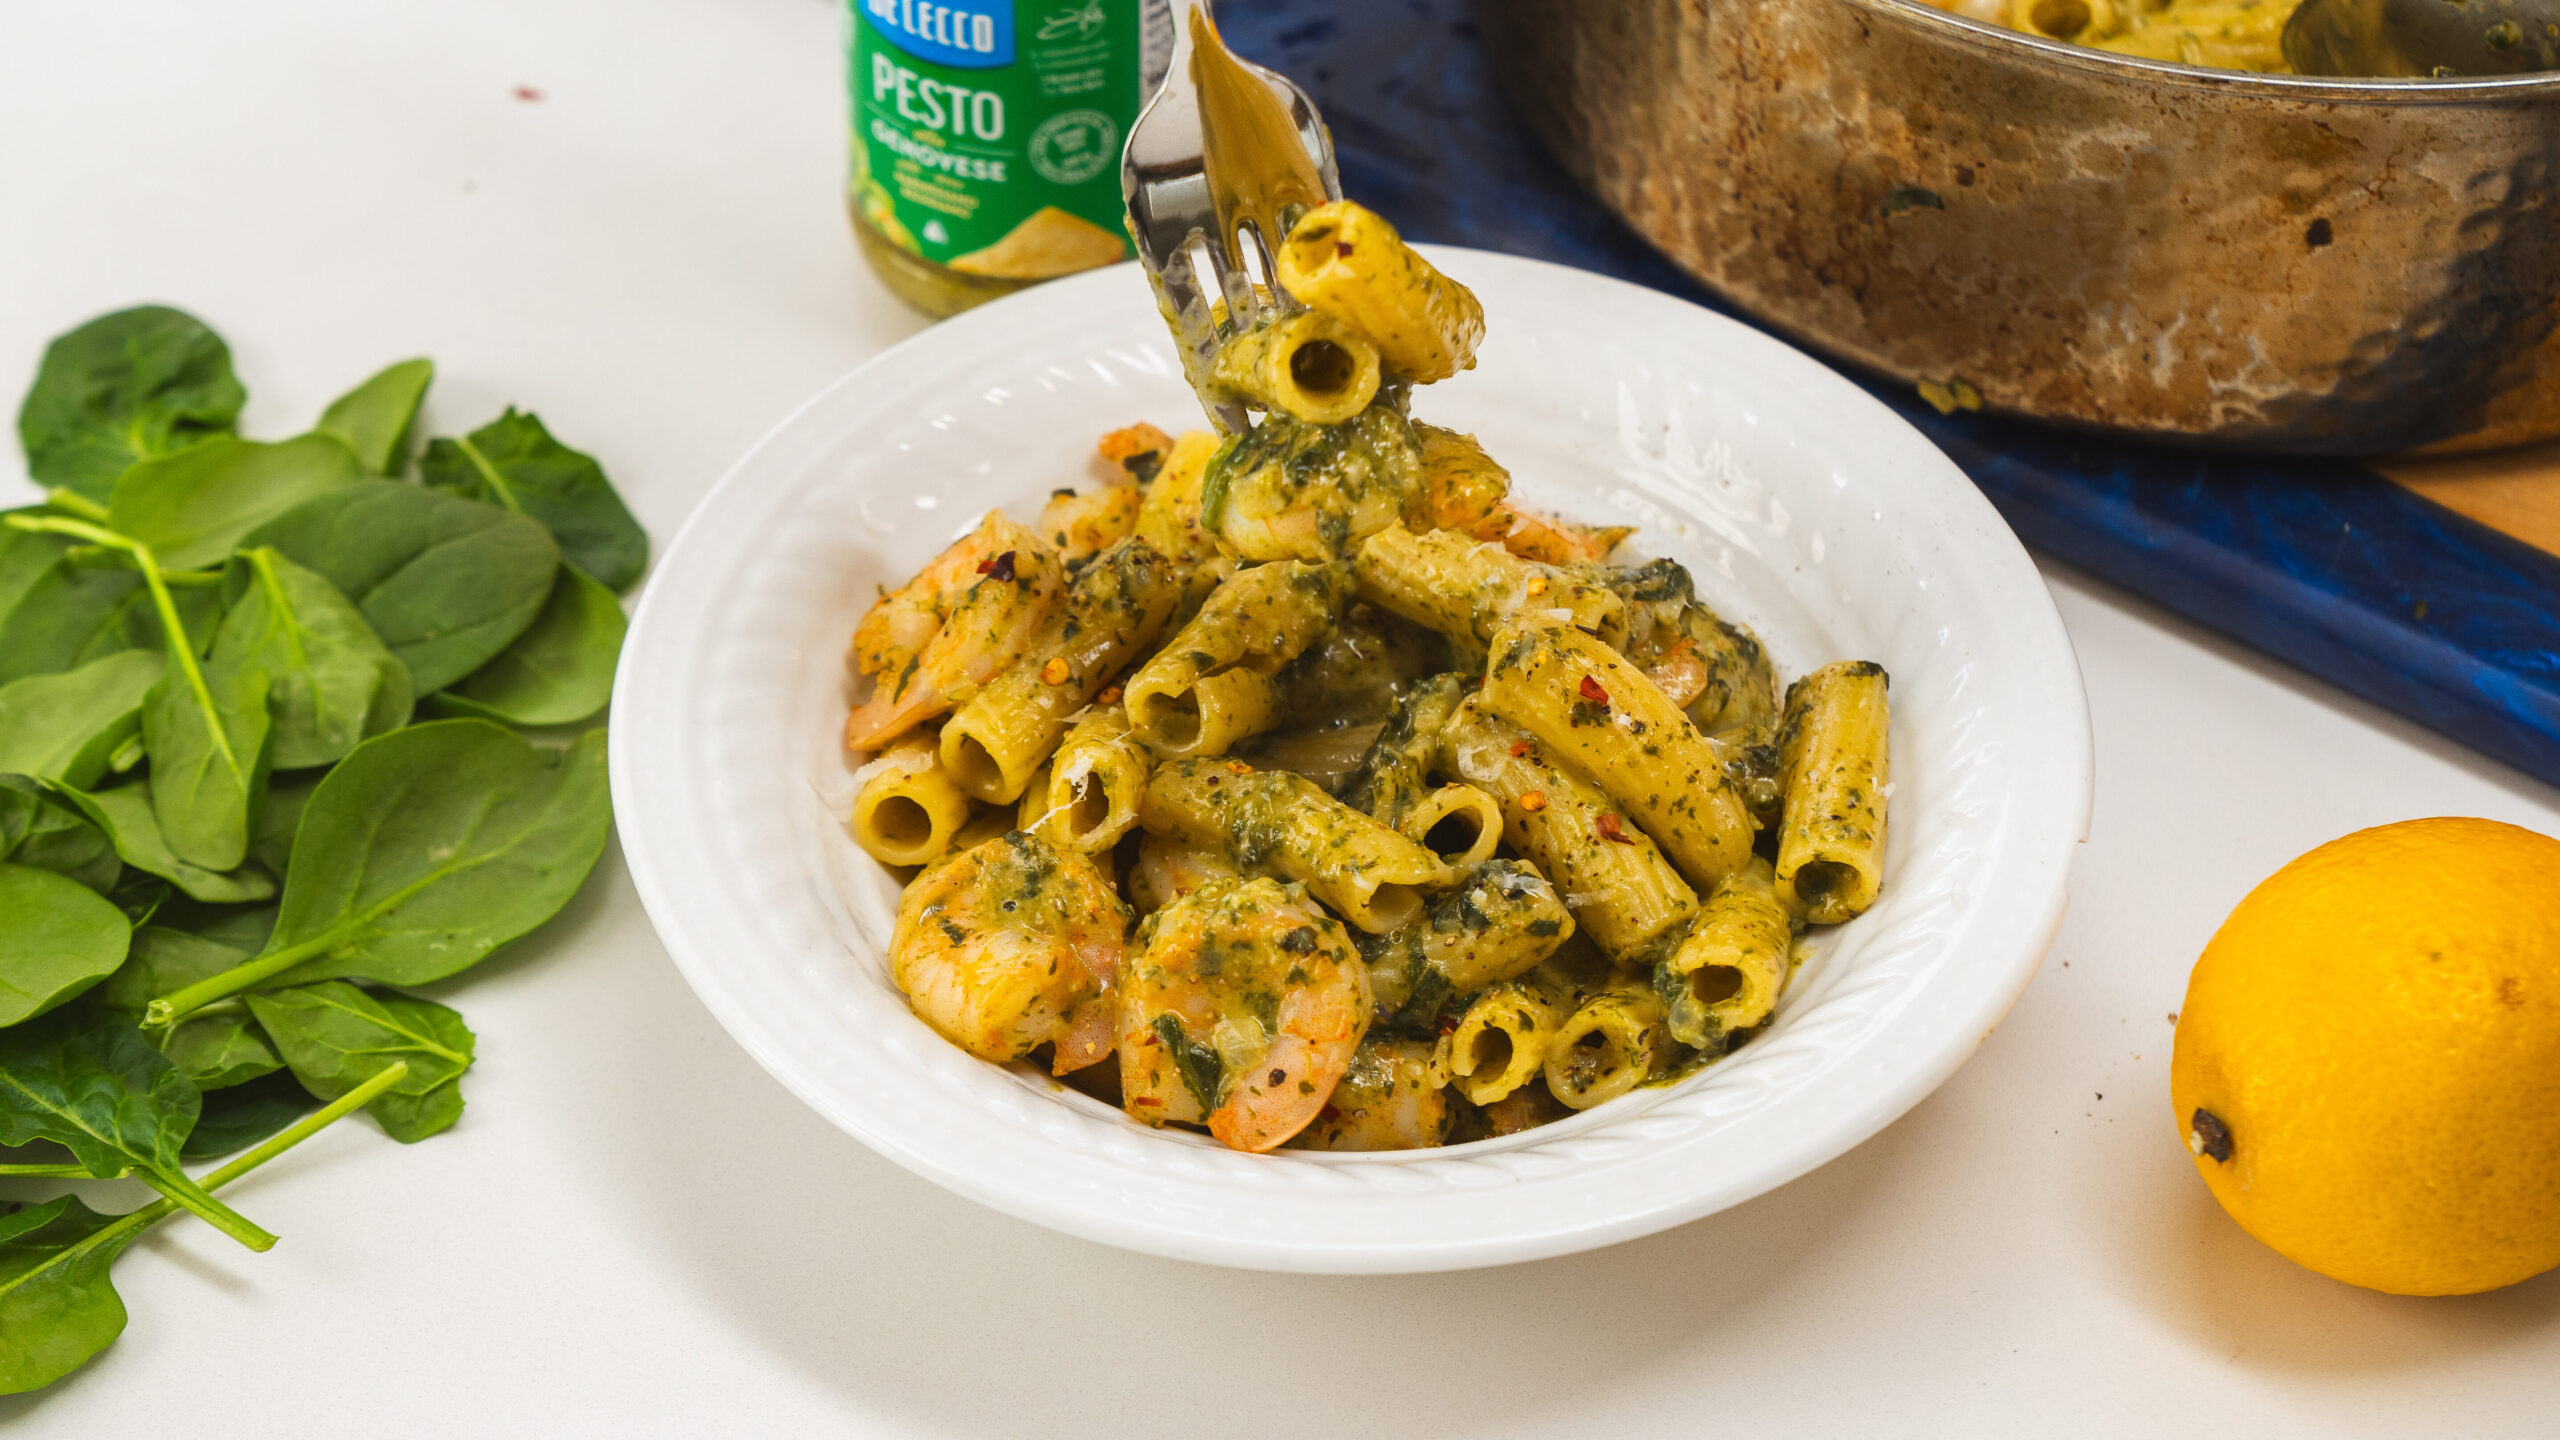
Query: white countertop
{"x": 635, "y": 1232}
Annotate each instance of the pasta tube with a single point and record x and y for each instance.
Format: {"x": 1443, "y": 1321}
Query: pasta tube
{"x": 1726, "y": 976}
{"x": 1288, "y": 490}
{"x": 1345, "y": 261}
{"x": 1501, "y": 922}
{"x": 1617, "y": 727}
{"x": 1211, "y": 685}
{"x": 1113, "y": 611}
{"x": 1273, "y": 823}
{"x": 1169, "y": 518}
{"x": 908, "y": 812}
{"x": 1608, "y": 1047}
{"x": 1622, "y": 892}
{"x": 1467, "y": 589}
{"x": 1831, "y": 841}
{"x": 1501, "y": 1042}
{"x": 1307, "y": 365}
{"x": 1392, "y": 1098}
{"x": 1462, "y": 486}
{"x": 1396, "y": 773}
{"x": 1458, "y": 823}
{"x": 1095, "y": 780}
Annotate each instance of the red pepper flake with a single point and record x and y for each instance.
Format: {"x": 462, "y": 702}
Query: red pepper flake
{"x": 1110, "y": 695}
{"x": 1534, "y": 801}
{"x": 1238, "y": 767}
{"x": 1609, "y": 831}
{"x": 1055, "y": 672}
{"x": 1148, "y": 1100}
{"x": 1592, "y": 692}
{"x": 1279, "y": 1075}
{"x": 1342, "y": 250}
{"x": 528, "y": 94}
{"x": 1000, "y": 568}
{"x": 1519, "y": 748}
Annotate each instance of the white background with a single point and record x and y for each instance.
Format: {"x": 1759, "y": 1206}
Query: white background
{"x": 635, "y": 1232}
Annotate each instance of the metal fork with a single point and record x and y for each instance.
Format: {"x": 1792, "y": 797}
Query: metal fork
{"x": 1227, "y": 155}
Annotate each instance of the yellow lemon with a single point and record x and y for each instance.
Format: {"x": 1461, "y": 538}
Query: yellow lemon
{"x": 2368, "y": 1060}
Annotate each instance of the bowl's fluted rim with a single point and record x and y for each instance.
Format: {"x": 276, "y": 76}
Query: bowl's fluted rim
{"x": 2365, "y": 90}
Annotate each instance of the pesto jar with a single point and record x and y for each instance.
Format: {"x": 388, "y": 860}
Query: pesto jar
{"x": 987, "y": 135}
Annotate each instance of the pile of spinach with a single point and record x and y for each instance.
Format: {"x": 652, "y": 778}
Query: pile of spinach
{"x": 257, "y": 769}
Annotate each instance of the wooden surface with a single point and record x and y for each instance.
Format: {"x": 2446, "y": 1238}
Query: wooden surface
{"x": 2517, "y": 491}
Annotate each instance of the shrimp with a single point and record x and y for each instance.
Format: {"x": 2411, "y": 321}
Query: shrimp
{"x": 929, "y": 644}
{"x": 1287, "y": 490}
{"x": 1242, "y": 1013}
{"x": 1080, "y": 525}
{"x": 1011, "y": 945}
{"x": 1167, "y": 870}
{"x": 1394, "y": 1097}
{"x": 1546, "y": 539}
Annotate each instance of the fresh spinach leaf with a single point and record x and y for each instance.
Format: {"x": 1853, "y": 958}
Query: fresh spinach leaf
{"x": 164, "y": 958}
{"x": 133, "y": 827}
{"x": 514, "y": 462}
{"x": 336, "y": 1037}
{"x": 57, "y": 1306}
{"x": 76, "y": 609}
{"x": 221, "y": 1046}
{"x": 46, "y": 833}
{"x": 193, "y": 506}
{"x": 66, "y": 726}
{"x": 375, "y": 417}
{"x": 560, "y": 671}
{"x": 87, "y": 1079}
{"x": 206, "y": 730}
{"x": 247, "y": 1113}
{"x": 422, "y": 852}
{"x": 244, "y": 928}
{"x": 446, "y": 582}
{"x": 125, "y": 387}
{"x": 330, "y": 680}
{"x": 90, "y": 606}
{"x": 271, "y": 841}
{"x": 24, "y": 555}
{"x": 60, "y": 939}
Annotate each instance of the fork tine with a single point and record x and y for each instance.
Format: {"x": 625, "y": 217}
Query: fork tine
{"x": 1235, "y": 283}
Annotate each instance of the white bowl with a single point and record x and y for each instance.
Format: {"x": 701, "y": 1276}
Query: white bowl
{"x": 1801, "y": 505}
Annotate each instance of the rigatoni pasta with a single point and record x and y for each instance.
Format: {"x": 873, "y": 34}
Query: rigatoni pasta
{"x": 1602, "y": 714}
{"x": 1831, "y": 841}
{"x": 1442, "y": 825}
{"x": 1212, "y": 685}
{"x": 1113, "y": 612}
{"x": 908, "y": 812}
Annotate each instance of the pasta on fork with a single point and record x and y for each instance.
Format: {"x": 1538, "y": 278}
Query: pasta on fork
{"x": 1300, "y": 788}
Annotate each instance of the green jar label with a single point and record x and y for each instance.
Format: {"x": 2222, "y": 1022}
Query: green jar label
{"x": 987, "y": 133}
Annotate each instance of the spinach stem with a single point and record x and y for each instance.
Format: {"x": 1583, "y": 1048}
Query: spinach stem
{"x": 497, "y": 482}
{"x": 170, "y": 1008}
{"x": 50, "y": 1172}
{"x": 184, "y": 1192}
{"x": 275, "y": 1145}
{"x": 179, "y": 645}
{"x": 63, "y": 497}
